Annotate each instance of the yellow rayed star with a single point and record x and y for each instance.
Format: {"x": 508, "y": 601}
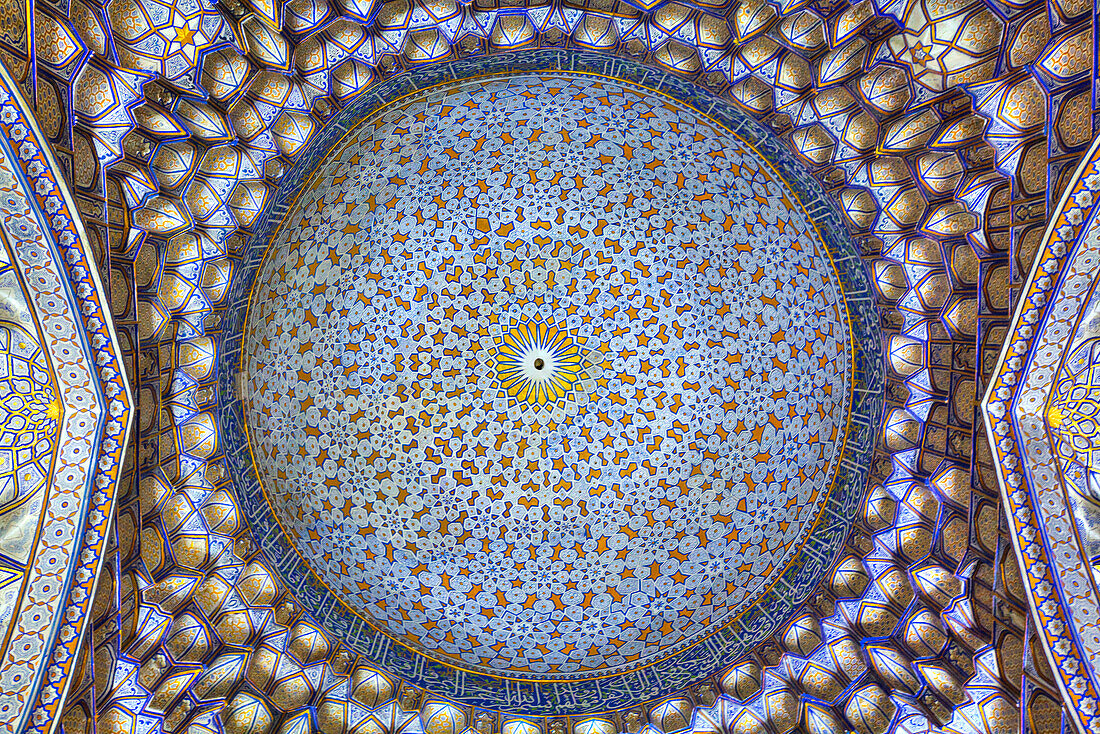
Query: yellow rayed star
{"x": 538, "y": 363}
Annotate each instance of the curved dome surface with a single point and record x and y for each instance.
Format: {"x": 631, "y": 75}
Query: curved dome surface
{"x": 546, "y": 376}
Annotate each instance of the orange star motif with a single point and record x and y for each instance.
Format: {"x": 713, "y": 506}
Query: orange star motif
{"x": 185, "y": 35}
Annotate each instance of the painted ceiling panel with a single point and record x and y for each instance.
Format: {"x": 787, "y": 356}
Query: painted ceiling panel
{"x": 929, "y": 146}
{"x": 641, "y": 395}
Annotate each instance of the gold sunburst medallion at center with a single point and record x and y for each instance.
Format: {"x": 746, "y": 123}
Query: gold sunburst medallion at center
{"x": 538, "y": 363}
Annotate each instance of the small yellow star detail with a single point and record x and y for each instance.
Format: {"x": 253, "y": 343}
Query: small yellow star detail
{"x": 184, "y": 35}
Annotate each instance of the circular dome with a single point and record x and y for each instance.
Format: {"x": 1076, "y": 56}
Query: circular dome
{"x": 546, "y": 376}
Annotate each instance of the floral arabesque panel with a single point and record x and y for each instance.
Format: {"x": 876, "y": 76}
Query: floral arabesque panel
{"x": 64, "y": 415}
{"x": 1042, "y": 410}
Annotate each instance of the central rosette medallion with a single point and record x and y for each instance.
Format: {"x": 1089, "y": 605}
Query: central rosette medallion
{"x": 540, "y": 367}
{"x": 546, "y": 376}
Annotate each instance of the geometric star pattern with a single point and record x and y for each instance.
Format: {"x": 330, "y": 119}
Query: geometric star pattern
{"x": 675, "y": 451}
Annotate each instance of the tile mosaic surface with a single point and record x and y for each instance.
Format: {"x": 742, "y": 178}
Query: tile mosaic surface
{"x": 940, "y": 129}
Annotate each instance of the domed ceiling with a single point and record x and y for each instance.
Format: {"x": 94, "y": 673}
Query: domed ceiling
{"x": 547, "y": 374}
{"x": 550, "y": 377}
{"x": 289, "y": 542}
